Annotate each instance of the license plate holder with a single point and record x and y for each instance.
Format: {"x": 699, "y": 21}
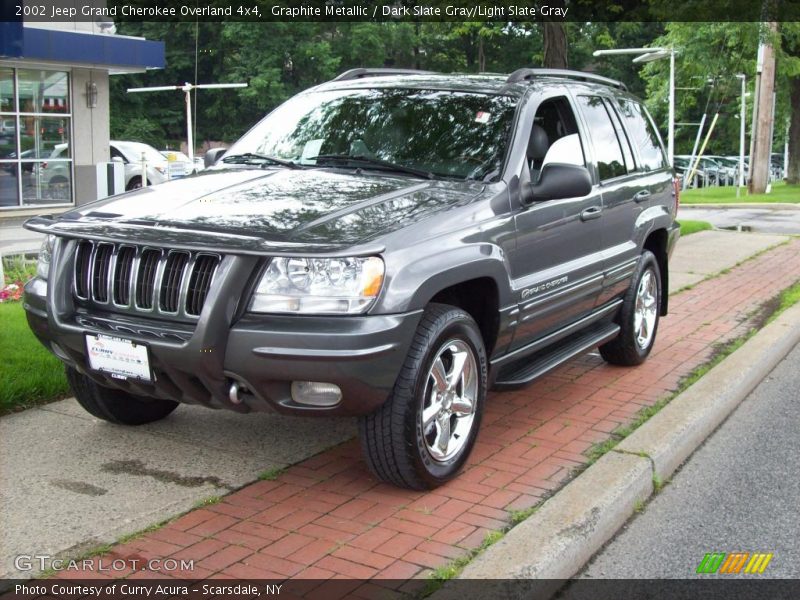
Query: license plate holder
{"x": 120, "y": 358}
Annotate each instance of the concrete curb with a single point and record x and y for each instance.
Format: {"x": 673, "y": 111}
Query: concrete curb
{"x": 562, "y": 536}
{"x": 751, "y": 205}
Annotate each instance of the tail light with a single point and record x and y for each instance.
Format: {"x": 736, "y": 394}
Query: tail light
{"x": 676, "y": 192}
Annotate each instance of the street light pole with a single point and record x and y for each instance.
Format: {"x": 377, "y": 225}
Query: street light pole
{"x": 671, "y": 139}
{"x": 186, "y": 88}
{"x": 647, "y": 55}
{"x": 741, "y": 137}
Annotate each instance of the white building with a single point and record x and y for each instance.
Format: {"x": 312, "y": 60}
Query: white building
{"x": 54, "y": 108}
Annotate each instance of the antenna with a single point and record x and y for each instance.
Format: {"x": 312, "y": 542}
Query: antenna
{"x": 186, "y": 88}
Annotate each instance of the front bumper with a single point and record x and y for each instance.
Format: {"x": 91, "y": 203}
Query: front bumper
{"x": 196, "y": 363}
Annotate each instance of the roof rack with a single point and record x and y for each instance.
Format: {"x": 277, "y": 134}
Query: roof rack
{"x": 529, "y": 74}
{"x": 362, "y": 73}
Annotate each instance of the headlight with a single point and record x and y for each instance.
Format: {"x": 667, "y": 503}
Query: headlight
{"x": 319, "y": 285}
{"x": 45, "y": 254}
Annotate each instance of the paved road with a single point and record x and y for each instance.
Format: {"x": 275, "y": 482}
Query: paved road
{"x": 738, "y": 493}
{"x": 762, "y": 220}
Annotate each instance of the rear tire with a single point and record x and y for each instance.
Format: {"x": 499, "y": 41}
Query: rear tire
{"x": 639, "y": 316}
{"x": 116, "y": 406}
{"x": 423, "y": 434}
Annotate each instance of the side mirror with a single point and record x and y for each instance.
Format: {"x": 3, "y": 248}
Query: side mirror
{"x": 560, "y": 180}
{"x": 212, "y": 156}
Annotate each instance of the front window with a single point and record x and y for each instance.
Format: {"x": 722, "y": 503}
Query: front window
{"x": 35, "y": 120}
{"x": 445, "y": 133}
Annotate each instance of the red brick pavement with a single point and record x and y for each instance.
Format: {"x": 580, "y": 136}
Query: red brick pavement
{"x": 327, "y": 517}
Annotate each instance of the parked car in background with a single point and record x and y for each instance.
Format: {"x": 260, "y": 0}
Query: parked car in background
{"x": 132, "y": 153}
{"x": 55, "y": 173}
{"x": 179, "y": 163}
{"x": 728, "y": 169}
{"x": 776, "y": 166}
{"x": 683, "y": 167}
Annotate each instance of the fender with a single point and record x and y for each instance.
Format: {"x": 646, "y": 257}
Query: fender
{"x": 432, "y": 273}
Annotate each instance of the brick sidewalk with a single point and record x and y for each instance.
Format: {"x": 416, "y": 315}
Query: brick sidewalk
{"x": 327, "y": 517}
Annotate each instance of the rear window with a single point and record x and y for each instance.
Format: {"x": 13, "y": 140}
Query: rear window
{"x": 643, "y": 135}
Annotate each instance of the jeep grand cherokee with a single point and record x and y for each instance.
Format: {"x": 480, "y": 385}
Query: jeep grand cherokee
{"x": 389, "y": 244}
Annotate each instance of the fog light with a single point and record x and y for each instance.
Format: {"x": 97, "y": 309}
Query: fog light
{"x": 316, "y": 393}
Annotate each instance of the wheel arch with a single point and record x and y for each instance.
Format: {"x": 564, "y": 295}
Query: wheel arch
{"x": 656, "y": 242}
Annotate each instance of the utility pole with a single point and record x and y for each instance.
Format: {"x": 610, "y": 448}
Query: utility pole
{"x": 762, "y": 145}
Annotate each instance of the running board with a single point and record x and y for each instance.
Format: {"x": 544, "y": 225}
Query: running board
{"x": 523, "y": 372}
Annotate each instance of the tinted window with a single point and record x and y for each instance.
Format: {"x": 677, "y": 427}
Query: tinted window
{"x": 607, "y": 151}
{"x": 627, "y": 151}
{"x": 643, "y": 135}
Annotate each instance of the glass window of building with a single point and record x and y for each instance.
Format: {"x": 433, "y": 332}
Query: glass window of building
{"x": 35, "y": 131}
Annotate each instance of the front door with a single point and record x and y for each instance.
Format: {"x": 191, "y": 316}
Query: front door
{"x": 557, "y": 263}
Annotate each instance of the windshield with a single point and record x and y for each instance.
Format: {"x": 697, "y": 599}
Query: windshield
{"x": 451, "y": 134}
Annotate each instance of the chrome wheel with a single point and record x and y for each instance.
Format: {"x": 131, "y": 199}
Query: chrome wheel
{"x": 448, "y": 409}
{"x": 646, "y": 308}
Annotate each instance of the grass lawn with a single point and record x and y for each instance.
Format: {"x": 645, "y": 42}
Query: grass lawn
{"x": 29, "y": 374}
{"x": 690, "y": 227}
{"x": 781, "y": 192}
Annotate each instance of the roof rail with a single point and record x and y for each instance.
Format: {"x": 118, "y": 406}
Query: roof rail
{"x": 529, "y": 74}
{"x": 362, "y": 73}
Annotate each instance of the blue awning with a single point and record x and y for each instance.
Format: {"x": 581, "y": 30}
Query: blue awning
{"x": 19, "y": 42}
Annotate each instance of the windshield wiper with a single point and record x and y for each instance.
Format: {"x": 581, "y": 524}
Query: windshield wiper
{"x": 375, "y": 162}
{"x": 249, "y": 157}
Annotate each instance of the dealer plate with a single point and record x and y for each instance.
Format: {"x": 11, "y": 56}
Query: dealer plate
{"x": 118, "y": 357}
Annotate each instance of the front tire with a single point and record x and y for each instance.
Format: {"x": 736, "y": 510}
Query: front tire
{"x": 116, "y": 406}
{"x": 423, "y": 434}
{"x": 639, "y": 316}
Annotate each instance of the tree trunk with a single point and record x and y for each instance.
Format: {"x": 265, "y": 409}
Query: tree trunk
{"x": 793, "y": 173}
{"x": 555, "y": 46}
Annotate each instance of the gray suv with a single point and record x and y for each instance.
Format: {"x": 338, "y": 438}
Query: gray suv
{"x": 390, "y": 244}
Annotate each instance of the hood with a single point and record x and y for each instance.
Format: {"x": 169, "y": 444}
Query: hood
{"x": 280, "y": 207}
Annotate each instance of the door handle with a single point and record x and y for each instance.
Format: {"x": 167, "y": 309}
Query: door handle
{"x": 643, "y": 195}
{"x": 592, "y": 212}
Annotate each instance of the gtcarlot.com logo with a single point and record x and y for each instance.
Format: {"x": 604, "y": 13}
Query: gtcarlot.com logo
{"x": 45, "y": 562}
{"x": 734, "y": 563}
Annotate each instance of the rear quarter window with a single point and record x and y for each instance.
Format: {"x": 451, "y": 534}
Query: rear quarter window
{"x": 643, "y": 135}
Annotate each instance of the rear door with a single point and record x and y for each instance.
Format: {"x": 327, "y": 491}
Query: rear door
{"x": 646, "y": 184}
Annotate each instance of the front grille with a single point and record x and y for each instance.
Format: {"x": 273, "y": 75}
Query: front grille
{"x": 173, "y": 275}
{"x": 122, "y": 275}
{"x": 199, "y": 282}
{"x": 146, "y": 278}
{"x": 101, "y": 267}
{"x": 138, "y": 279}
{"x": 83, "y": 260}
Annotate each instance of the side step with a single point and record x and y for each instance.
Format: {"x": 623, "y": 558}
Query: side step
{"x": 524, "y": 371}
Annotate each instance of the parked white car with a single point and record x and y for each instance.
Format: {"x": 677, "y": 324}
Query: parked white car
{"x": 131, "y": 154}
{"x": 179, "y": 163}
